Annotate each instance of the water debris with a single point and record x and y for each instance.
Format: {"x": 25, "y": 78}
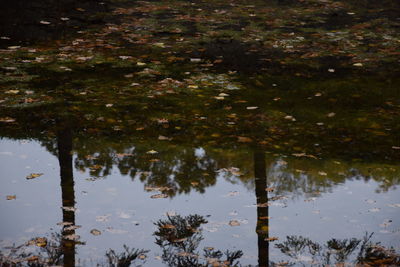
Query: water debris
{"x": 151, "y": 152}
{"x": 33, "y": 175}
{"x": 289, "y": 117}
{"x": 11, "y": 197}
{"x": 232, "y": 194}
{"x": 270, "y": 189}
{"x": 397, "y": 205}
{"x": 358, "y": 64}
{"x": 159, "y": 196}
{"x": 66, "y": 208}
{"x": 251, "y": 108}
{"x": 7, "y": 119}
{"x": 244, "y": 139}
{"x": 168, "y": 226}
{"x": 103, "y": 218}
{"x": 234, "y": 223}
{"x": 115, "y": 231}
{"x": 95, "y": 232}
{"x": 331, "y": 114}
{"x": 44, "y": 22}
{"x": 304, "y": 155}
{"x": 271, "y": 239}
{"x": 72, "y": 237}
{"x": 39, "y": 241}
{"x": 374, "y": 210}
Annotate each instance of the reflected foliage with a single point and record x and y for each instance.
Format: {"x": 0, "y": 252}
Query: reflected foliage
{"x": 40, "y": 251}
{"x": 125, "y": 258}
{"x": 179, "y": 237}
{"x": 338, "y": 252}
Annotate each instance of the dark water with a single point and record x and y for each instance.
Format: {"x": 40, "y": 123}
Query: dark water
{"x": 187, "y": 143}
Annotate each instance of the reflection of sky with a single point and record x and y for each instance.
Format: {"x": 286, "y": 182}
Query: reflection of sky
{"x": 124, "y": 212}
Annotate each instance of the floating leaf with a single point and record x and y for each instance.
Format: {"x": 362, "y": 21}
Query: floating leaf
{"x": 95, "y": 232}
{"x": 243, "y": 139}
{"x": 11, "y": 197}
{"x": 72, "y": 237}
{"x": 34, "y": 175}
{"x": 159, "y": 196}
{"x": 271, "y": 239}
{"x": 234, "y": 223}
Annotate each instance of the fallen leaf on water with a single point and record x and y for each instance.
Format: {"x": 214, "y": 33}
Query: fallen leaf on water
{"x": 386, "y": 223}
{"x": 168, "y": 226}
{"x": 322, "y": 173}
{"x": 251, "y": 108}
{"x": 270, "y": 189}
{"x": 14, "y": 92}
{"x": 7, "y": 119}
{"x": 65, "y": 223}
{"x": 289, "y": 117}
{"x": 33, "y": 258}
{"x": 374, "y": 210}
{"x": 234, "y": 223}
{"x": 163, "y": 138}
{"x": 142, "y": 256}
{"x": 159, "y": 196}
{"x": 44, "y": 22}
{"x": 243, "y": 139}
{"x": 95, "y": 232}
{"x": 331, "y": 114}
{"x": 232, "y": 194}
{"x": 72, "y": 237}
{"x": 271, "y": 239}
{"x": 34, "y": 175}
{"x": 151, "y": 152}
{"x": 40, "y": 242}
{"x": 11, "y": 197}
{"x": 103, "y": 218}
{"x": 69, "y": 208}
{"x": 396, "y": 147}
{"x": 358, "y": 64}
{"x": 72, "y": 227}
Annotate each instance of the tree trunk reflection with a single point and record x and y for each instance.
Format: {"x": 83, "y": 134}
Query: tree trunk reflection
{"x": 64, "y": 143}
{"x": 262, "y": 207}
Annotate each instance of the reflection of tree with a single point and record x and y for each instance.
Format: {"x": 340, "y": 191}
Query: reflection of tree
{"x": 64, "y": 143}
{"x": 126, "y": 258}
{"x": 262, "y": 228}
{"x": 339, "y": 251}
{"x": 41, "y": 251}
{"x": 179, "y": 237}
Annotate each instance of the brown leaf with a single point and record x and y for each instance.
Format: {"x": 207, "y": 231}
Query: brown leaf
{"x": 34, "y": 175}
{"x": 243, "y": 139}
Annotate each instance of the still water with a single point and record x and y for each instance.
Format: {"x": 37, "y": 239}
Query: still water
{"x": 120, "y": 208}
{"x": 199, "y": 133}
